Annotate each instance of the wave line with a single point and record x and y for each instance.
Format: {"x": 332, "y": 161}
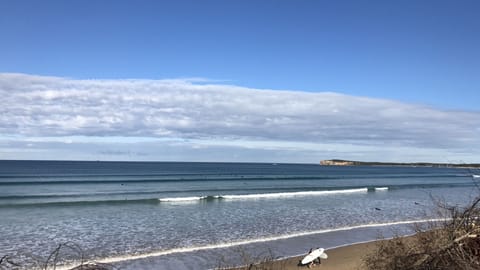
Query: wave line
{"x": 292, "y": 194}
{"x": 264, "y": 195}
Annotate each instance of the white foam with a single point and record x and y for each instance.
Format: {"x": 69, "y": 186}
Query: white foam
{"x": 264, "y": 195}
{"x": 121, "y": 258}
{"x": 292, "y": 194}
{"x": 182, "y": 199}
{"x": 381, "y": 188}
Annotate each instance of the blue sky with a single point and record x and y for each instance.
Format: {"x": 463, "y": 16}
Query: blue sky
{"x": 421, "y": 55}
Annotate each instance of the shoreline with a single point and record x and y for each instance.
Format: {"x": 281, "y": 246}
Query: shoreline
{"x": 293, "y": 244}
{"x": 230, "y": 256}
{"x": 338, "y": 243}
{"x": 346, "y": 257}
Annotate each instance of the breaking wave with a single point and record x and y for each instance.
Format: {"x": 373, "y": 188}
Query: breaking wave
{"x": 264, "y": 195}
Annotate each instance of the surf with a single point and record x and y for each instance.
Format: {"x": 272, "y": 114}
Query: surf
{"x": 264, "y": 195}
{"x": 292, "y": 194}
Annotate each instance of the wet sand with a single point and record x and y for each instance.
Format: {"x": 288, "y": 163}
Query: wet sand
{"x": 342, "y": 258}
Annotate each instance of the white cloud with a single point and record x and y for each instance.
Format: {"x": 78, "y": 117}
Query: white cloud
{"x": 209, "y": 115}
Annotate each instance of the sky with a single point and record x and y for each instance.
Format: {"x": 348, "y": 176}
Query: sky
{"x": 240, "y": 81}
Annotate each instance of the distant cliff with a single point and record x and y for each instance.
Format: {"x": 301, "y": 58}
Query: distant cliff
{"x": 341, "y": 162}
{"x": 338, "y": 162}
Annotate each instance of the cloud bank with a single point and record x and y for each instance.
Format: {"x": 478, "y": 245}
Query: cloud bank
{"x": 203, "y": 115}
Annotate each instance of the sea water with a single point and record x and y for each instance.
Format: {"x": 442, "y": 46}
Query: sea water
{"x": 175, "y": 215}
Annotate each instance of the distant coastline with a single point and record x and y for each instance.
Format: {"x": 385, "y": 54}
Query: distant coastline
{"x": 341, "y": 162}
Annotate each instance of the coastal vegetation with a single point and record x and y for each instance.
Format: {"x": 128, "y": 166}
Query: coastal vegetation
{"x": 453, "y": 243}
{"x": 52, "y": 262}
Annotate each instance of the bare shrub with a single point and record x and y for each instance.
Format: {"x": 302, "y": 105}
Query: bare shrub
{"x": 6, "y": 262}
{"x": 451, "y": 244}
{"x": 67, "y": 250}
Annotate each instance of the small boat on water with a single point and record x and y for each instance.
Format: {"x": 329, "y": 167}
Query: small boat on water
{"x": 475, "y": 175}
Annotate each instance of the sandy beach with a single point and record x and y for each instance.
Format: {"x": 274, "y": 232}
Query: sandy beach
{"x": 342, "y": 258}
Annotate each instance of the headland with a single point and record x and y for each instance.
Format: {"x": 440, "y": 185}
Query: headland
{"x": 342, "y": 162}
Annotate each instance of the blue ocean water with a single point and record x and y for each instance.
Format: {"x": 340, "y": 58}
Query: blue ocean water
{"x": 174, "y": 215}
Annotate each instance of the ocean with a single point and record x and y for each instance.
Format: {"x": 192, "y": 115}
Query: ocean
{"x": 180, "y": 215}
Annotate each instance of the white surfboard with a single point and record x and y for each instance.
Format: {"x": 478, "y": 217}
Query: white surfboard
{"x": 313, "y": 255}
{"x": 323, "y": 256}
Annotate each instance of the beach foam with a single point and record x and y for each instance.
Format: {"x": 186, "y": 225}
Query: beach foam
{"x": 265, "y": 195}
{"x": 292, "y": 194}
{"x": 183, "y": 199}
